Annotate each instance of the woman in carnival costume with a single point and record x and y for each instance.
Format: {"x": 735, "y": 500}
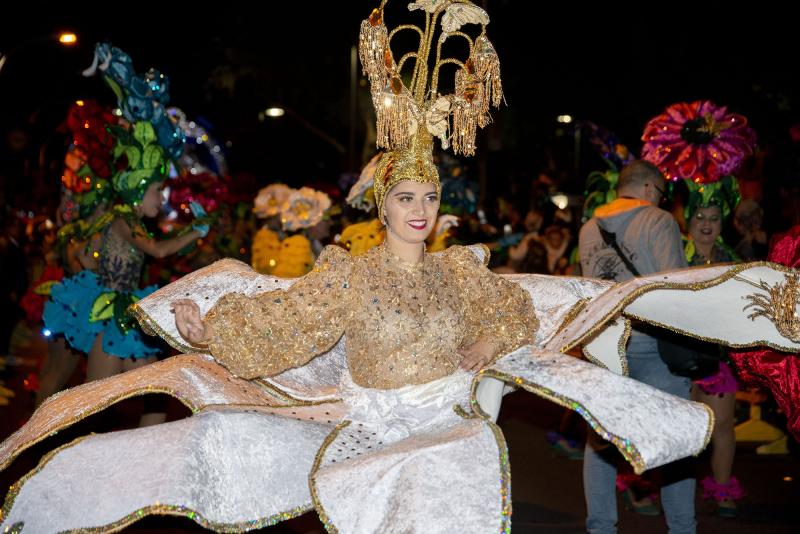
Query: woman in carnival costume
{"x": 357, "y": 383}
{"x": 703, "y": 145}
{"x": 94, "y": 304}
{"x": 704, "y": 246}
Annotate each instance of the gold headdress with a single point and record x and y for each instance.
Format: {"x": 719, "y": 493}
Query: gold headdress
{"x": 408, "y": 117}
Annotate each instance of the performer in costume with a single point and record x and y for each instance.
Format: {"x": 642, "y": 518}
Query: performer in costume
{"x": 709, "y": 206}
{"x": 393, "y": 413}
{"x": 142, "y": 156}
{"x": 713, "y": 144}
{"x": 704, "y": 246}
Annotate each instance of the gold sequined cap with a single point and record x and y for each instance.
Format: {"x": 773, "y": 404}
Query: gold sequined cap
{"x": 409, "y": 116}
{"x": 414, "y": 163}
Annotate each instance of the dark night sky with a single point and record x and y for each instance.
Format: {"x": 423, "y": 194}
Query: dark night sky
{"x": 615, "y": 65}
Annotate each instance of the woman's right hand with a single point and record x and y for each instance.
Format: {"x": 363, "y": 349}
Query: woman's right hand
{"x": 189, "y": 323}
{"x": 199, "y": 213}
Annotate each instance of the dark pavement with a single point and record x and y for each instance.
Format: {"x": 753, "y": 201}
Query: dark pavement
{"x": 546, "y": 489}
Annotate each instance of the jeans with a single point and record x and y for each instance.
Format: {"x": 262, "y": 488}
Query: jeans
{"x": 600, "y": 466}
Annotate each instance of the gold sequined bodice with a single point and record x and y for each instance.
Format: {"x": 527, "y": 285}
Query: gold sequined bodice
{"x": 403, "y": 323}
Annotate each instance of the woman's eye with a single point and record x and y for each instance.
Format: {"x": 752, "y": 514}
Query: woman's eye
{"x": 405, "y": 199}
{"x": 433, "y": 198}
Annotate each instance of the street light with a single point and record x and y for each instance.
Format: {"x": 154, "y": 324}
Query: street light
{"x": 67, "y": 38}
{"x": 275, "y": 112}
{"x": 560, "y": 200}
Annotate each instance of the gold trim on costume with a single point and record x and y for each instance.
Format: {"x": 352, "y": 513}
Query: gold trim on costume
{"x": 571, "y": 314}
{"x": 288, "y": 397}
{"x": 153, "y": 509}
{"x": 594, "y": 359}
{"x": 629, "y": 451}
{"x": 505, "y": 463}
{"x": 16, "y": 528}
{"x": 505, "y": 477}
{"x": 148, "y": 323}
{"x": 622, "y": 341}
{"x": 694, "y": 286}
{"x": 621, "y": 347}
{"x": 461, "y": 412}
{"x": 323, "y": 516}
{"x": 102, "y": 406}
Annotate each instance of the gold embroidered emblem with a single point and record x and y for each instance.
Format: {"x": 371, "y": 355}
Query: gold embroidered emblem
{"x": 779, "y": 305}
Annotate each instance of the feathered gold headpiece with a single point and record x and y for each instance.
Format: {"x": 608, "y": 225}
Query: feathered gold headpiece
{"x": 408, "y": 117}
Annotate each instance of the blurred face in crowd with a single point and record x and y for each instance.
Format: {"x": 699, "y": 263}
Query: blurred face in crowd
{"x": 555, "y": 237}
{"x": 151, "y": 201}
{"x": 533, "y": 221}
{"x": 706, "y": 225}
{"x": 410, "y": 211}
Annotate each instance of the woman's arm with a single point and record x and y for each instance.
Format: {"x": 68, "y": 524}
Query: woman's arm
{"x": 265, "y": 334}
{"x": 499, "y": 314}
{"x": 150, "y": 246}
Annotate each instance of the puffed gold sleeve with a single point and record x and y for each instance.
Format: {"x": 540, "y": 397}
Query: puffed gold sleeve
{"x": 269, "y": 333}
{"x": 497, "y": 311}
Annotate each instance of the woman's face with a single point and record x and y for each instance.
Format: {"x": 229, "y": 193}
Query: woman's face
{"x": 533, "y": 221}
{"x": 555, "y": 238}
{"x": 705, "y": 225}
{"x": 410, "y": 210}
{"x": 151, "y": 201}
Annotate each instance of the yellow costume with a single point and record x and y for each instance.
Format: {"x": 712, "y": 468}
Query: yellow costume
{"x": 266, "y": 247}
{"x": 358, "y": 238}
{"x": 295, "y": 257}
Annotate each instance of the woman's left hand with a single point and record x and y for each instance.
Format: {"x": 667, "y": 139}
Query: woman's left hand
{"x": 476, "y": 356}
